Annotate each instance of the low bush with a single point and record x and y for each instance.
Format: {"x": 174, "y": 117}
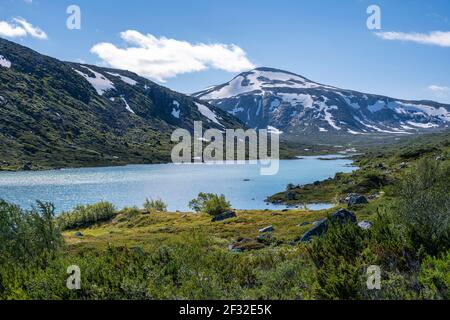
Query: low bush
{"x": 86, "y": 215}
{"x": 156, "y": 205}
{"x": 210, "y": 203}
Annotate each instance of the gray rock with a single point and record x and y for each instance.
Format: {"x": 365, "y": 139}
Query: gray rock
{"x": 79, "y": 234}
{"x": 355, "y": 199}
{"x": 305, "y": 224}
{"x": 3, "y": 101}
{"x": 267, "y": 229}
{"x": 374, "y": 196}
{"x": 365, "y": 225}
{"x": 342, "y": 216}
{"x": 224, "y": 216}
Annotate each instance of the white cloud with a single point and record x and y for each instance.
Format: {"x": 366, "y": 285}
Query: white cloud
{"x": 162, "y": 58}
{"x": 439, "y": 89}
{"x": 20, "y": 28}
{"x": 10, "y": 30}
{"x": 437, "y": 38}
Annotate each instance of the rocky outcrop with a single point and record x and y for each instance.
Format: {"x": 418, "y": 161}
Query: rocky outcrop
{"x": 267, "y": 229}
{"x": 342, "y": 216}
{"x": 224, "y": 216}
{"x": 365, "y": 225}
{"x": 355, "y": 199}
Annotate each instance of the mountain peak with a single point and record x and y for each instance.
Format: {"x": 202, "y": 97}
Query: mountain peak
{"x": 296, "y": 105}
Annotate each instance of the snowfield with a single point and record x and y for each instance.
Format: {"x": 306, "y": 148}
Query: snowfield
{"x": 5, "y": 63}
{"x": 100, "y": 83}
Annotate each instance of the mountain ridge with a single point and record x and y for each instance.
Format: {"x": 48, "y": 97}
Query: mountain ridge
{"x": 298, "y": 106}
{"x": 60, "y": 114}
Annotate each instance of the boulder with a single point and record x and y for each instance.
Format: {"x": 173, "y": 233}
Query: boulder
{"x": 3, "y": 101}
{"x": 27, "y": 167}
{"x": 307, "y": 223}
{"x": 78, "y": 234}
{"x": 365, "y": 225}
{"x": 342, "y": 216}
{"x": 224, "y": 216}
{"x": 267, "y": 229}
{"x": 355, "y": 199}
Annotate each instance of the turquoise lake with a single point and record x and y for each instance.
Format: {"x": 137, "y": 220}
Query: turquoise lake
{"x": 242, "y": 184}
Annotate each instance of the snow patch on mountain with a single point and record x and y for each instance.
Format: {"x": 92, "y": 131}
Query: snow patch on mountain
{"x": 176, "y": 109}
{"x": 274, "y": 130}
{"x": 206, "y": 112}
{"x": 5, "y": 62}
{"x": 124, "y": 78}
{"x": 127, "y": 106}
{"x": 100, "y": 83}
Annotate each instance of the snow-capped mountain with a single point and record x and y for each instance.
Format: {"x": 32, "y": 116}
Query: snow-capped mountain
{"x": 292, "y": 104}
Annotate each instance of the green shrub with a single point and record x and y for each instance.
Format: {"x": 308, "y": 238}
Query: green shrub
{"x": 210, "y": 203}
{"x": 337, "y": 256}
{"x": 157, "y": 205}
{"x": 86, "y": 215}
{"x": 27, "y": 236}
{"x": 435, "y": 277}
{"x": 423, "y": 206}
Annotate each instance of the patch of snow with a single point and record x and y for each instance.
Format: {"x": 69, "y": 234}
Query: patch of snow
{"x": 274, "y": 104}
{"x": 323, "y": 129}
{"x": 206, "y": 112}
{"x": 377, "y": 106}
{"x": 5, "y": 62}
{"x": 274, "y": 130}
{"x": 422, "y": 125}
{"x": 293, "y": 98}
{"x": 326, "y": 115}
{"x": 236, "y": 109}
{"x": 384, "y": 131}
{"x": 440, "y": 112}
{"x": 127, "y": 106}
{"x": 124, "y": 79}
{"x": 100, "y": 83}
{"x": 259, "y": 107}
{"x": 353, "y": 132}
{"x": 176, "y": 109}
{"x": 260, "y": 81}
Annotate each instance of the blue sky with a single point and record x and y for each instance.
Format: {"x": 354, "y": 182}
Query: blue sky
{"x": 324, "y": 40}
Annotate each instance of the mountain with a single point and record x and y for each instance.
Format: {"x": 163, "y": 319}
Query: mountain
{"x": 59, "y": 114}
{"x": 296, "y": 106}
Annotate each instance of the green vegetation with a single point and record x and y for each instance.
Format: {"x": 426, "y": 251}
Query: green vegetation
{"x": 86, "y": 215}
{"x": 379, "y": 170}
{"x": 210, "y": 203}
{"x": 130, "y": 254}
{"x": 155, "y": 205}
